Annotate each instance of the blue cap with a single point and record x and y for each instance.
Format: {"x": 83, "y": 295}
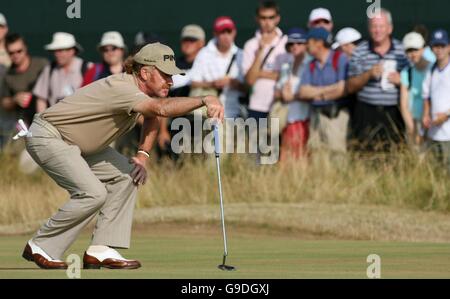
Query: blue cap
{"x": 296, "y": 35}
{"x": 320, "y": 34}
{"x": 439, "y": 37}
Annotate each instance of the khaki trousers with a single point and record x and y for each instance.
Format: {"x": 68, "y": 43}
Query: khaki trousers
{"x": 329, "y": 134}
{"x": 98, "y": 184}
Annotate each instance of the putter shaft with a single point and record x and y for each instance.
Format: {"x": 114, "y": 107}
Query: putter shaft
{"x": 222, "y": 216}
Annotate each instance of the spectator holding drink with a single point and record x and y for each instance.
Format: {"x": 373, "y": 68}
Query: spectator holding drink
{"x": 374, "y": 74}
{"x": 290, "y": 67}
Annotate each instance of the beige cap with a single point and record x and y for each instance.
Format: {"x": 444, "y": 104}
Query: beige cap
{"x": 413, "y": 40}
{"x": 3, "y": 20}
{"x": 193, "y": 31}
{"x": 63, "y": 40}
{"x": 160, "y": 56}
{"x": 112, "y": 38}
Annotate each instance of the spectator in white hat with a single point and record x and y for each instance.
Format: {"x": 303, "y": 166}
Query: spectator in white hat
{"x": 64, "y": 75}
{"x": 321, "y": 17}
{"x": 112, "y": 49}
{"x": 4, "y": 57}
{"x": 347, "y": 40}
{"x": 412, "y": 77}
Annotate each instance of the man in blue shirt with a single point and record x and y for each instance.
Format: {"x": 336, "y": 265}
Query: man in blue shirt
{"x": 323, "y": 84}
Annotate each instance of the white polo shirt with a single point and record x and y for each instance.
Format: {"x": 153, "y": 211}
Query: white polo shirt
{"x": 436, "y": 87}
{"x": 211, "y": 65}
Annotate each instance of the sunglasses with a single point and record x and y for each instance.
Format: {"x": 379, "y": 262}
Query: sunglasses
{"x": 410, "y": 50}
{"x": 11, "y": 53}
{"x": 228, "y": 31}
{"x": 109, "y": 49}
{"x": 320, "y": 21}
{"x": 272, "y": 17}
{"x": 189, "y": 39}
{"x": 294, "y": 43}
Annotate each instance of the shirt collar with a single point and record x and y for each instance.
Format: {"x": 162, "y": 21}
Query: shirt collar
{"x": 329, "y": 58}
{"x": 74, "y": 65}
{"x": 391, "y": 48}
{"x": 212, "y": 46}
{"x": 275, "y": 41}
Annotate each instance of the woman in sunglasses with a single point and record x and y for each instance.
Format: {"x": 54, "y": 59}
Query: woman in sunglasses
{"x": 112, "y": 49}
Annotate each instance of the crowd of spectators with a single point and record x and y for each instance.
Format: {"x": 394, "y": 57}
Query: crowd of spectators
{"x": 339, "y": 92}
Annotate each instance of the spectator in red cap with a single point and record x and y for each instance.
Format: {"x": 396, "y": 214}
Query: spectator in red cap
{"x": 218, "y": 67}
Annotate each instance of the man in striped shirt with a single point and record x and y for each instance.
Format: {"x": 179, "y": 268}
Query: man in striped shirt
{"x": 374, "y": 73}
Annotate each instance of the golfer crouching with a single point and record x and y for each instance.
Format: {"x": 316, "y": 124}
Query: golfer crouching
{"x": 70, "y": 141}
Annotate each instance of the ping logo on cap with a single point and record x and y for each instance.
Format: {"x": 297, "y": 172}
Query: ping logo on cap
{"x": 169, "y": 57}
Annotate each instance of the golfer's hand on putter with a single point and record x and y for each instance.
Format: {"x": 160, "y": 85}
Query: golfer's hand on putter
{"x": 214, "y": 107}
{"x": 139, "y": 173}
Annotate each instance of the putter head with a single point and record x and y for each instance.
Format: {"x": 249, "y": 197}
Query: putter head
{"x": 224, "y": 267}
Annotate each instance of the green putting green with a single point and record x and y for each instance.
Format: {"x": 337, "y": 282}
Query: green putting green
{"x": 180, "y": 253}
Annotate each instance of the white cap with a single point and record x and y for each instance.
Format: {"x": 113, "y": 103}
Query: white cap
{"x": 3, "y": 20}
{"x": 413, "y": 40}
{"x": 320, "y": 14}
{"x": 112, "y": 38}
{"x": 345, "y": 36}
{"x": 63, "y": 40}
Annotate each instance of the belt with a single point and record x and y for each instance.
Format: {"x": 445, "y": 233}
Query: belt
{"x": 45, "y": 124}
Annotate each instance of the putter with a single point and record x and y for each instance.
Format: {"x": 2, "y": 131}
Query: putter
{"x": 223, "y": 266}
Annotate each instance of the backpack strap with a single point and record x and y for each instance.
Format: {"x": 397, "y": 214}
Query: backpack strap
{"x": 99, "y": 67}
{"x": 267, "y": 56}
{"x": 433, "y": 68}
{"x": 410, "y": 72}
{"x": 84, "y": 67}
{"x": 231, "y": 64}
{"x": 336, "y": 57}
{"x": 335, "y": 62}
{"x": 270, "y": 52}
{"x": 312, "y": 66}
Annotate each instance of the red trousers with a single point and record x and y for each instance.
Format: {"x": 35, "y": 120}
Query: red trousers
{"x": 294, "y": 139}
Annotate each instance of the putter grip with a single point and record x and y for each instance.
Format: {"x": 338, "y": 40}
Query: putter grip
{"x": 216, "y": 139}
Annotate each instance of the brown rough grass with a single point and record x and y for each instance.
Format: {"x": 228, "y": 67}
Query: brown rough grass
{"x": 329, "y": 194}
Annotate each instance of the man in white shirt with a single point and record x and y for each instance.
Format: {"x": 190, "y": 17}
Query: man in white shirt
{"x": 436, "y": 90}
{"x": 258, "y": 62}
{"x": 218, "y": 66}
